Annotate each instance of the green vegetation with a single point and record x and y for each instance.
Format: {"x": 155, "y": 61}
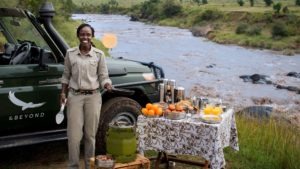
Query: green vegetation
{"x": 266, "y": 30}
{"x": 265, "y": 144}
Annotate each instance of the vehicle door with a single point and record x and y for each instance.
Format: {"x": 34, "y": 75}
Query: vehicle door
{"x": 29, "y": 79}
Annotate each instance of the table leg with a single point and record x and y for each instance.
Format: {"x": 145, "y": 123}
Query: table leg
{"x": 206, "y": 164}
{"x": 166, "y": 159}
{"x": 157, "y": 162}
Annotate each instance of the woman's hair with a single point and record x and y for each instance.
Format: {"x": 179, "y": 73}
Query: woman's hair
{"x": 85, "y": 25}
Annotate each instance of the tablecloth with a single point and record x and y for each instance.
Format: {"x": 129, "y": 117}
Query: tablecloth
{"x": 189, "y": 136}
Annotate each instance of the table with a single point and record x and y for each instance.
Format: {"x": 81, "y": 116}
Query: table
{"x": 189, "y": 136}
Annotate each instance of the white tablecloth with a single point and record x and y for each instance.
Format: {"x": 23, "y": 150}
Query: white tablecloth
{"x": 189, "y": 136}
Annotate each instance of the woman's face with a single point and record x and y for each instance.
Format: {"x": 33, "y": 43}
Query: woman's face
{"x": 85, "y": 36}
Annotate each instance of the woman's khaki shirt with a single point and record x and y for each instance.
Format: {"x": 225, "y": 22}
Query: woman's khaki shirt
{"x": 85, "y": 72}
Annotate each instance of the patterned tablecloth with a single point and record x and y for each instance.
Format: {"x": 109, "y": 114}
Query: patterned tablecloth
{"x": 189, "y": 136}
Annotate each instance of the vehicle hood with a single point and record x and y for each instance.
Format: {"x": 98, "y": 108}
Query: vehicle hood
{"x": 117, "y": 67}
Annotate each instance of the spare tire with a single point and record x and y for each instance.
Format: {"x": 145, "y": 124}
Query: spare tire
{"x": 120, "y": 109}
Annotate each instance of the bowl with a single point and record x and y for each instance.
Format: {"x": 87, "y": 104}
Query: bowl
{"x": 175, "y": 115}
{"x": 105, "y": 162}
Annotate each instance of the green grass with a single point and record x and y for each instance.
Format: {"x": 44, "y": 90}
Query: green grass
{"x": 264, "y": 144}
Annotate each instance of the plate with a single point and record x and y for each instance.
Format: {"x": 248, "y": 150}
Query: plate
{"x": 211, "y": 119}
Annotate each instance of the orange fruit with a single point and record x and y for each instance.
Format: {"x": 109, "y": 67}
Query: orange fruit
{"x": 145, "y": 111}
{"x": 159, "y": 111}
{"x": 155, "y": 107}
{"x": 171, "y": 106}
{"x": 151, "y": 112}
{"x": 178, "y": 107}
{"x": 149, "y": 106}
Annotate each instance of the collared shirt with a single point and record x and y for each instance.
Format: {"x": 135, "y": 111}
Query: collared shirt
{"x": 85, "y": 72}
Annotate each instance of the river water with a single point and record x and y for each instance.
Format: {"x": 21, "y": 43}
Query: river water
{"x": 203, "y": 67}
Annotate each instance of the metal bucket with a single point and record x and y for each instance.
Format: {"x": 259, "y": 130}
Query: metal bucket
{"x": 121, "y": 143}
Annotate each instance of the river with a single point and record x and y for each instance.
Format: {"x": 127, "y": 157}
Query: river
{"x": 203, "y": 67}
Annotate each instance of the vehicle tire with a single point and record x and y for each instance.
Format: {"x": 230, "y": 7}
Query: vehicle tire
{"x": 119, "y": 108}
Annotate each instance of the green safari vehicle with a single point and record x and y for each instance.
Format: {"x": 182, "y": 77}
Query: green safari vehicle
{"x": 31, "y": 65}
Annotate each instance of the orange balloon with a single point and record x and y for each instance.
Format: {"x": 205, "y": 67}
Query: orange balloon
{"x": 109, "y": 40}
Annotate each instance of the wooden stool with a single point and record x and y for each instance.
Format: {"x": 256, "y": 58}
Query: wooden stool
{"x": 140, "y": 162}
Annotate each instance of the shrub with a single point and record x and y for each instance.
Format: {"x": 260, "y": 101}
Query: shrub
{"x": 297, "y": 2}
{"x": 204, "y": 2}
{"x": 242, "y": 28}
{"x": 285, "y": 10}
{"x": 279, "y": 30}
{"x": 240, "y": 2}
{"x": 211, "y": 15}
{"x": 170, "y": 8}
{"x": 254, "y": 30}
{"x": 149, "y": 9}
{"x": 277, "y": 7}
{"x": 268, "y": 2}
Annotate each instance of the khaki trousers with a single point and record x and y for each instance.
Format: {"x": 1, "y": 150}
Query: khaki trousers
{"x": 83, "y": 113}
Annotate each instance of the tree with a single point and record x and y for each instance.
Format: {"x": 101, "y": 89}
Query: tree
{"x": 251, "y": 2}
{"x": 277, "y": 7}
{"x": 240, "y": 2}
{"x": 268, "y": 2}
{"x": 297, "y": 2}
{"x": 204, "y": 2}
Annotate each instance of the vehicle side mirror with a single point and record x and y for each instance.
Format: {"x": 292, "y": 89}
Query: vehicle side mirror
{"x": 42, "y": 65}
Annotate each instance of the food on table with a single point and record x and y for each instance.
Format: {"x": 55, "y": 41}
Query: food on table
{"x": 152, "y": 110}
{"x": 213, "y": 110}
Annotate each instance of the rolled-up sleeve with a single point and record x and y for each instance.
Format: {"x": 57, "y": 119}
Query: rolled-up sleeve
{"x": 103, "y": 72}
{"x": 67, "y": 70}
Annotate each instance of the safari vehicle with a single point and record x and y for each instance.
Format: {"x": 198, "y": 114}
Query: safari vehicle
{"x": 31, "y": 65}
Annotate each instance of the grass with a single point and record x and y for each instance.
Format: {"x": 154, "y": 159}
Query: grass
{"x": 264, "y": 144}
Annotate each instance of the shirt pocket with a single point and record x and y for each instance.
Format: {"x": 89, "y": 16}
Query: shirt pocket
{"x": 75, "y": 68}
{"x": 93, "y": 65}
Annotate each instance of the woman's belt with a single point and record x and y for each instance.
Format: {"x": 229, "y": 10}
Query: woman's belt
{"x": 84, "y": 92}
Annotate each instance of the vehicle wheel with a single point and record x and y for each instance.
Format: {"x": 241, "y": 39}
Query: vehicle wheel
{"x": 116, "y": 109}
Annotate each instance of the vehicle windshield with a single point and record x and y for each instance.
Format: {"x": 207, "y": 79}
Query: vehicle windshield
{"x": 19, "y": 29}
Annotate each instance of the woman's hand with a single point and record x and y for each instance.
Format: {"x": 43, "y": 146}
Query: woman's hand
{"x": 108, "y": 87}
{"x": 63, "y": 98}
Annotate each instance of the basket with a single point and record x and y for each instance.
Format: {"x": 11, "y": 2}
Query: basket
{"x": 104, "y": 162}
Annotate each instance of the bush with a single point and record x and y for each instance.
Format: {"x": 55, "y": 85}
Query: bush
{"x": 170, "y": 8}
{"x": 253, "y": 31}
{"x": 297, "y": 2}
{"x": 242, "y": 28}
{"x": 279, "y": 30}
{"x": 285, "y": 10}
{"x": 240, "y": 2}
{"x": 277, "y": 7}
{"x": 149, "y": 9}
{"x": 204, "y": 2}
{"x": 268, "y": 2}
{"x": 211, "y": 15}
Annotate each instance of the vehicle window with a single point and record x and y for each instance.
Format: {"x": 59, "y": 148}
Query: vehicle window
{"x": 21, "y": 41}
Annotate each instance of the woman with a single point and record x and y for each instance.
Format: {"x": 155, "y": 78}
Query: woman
{"x": 85, "y": 71}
